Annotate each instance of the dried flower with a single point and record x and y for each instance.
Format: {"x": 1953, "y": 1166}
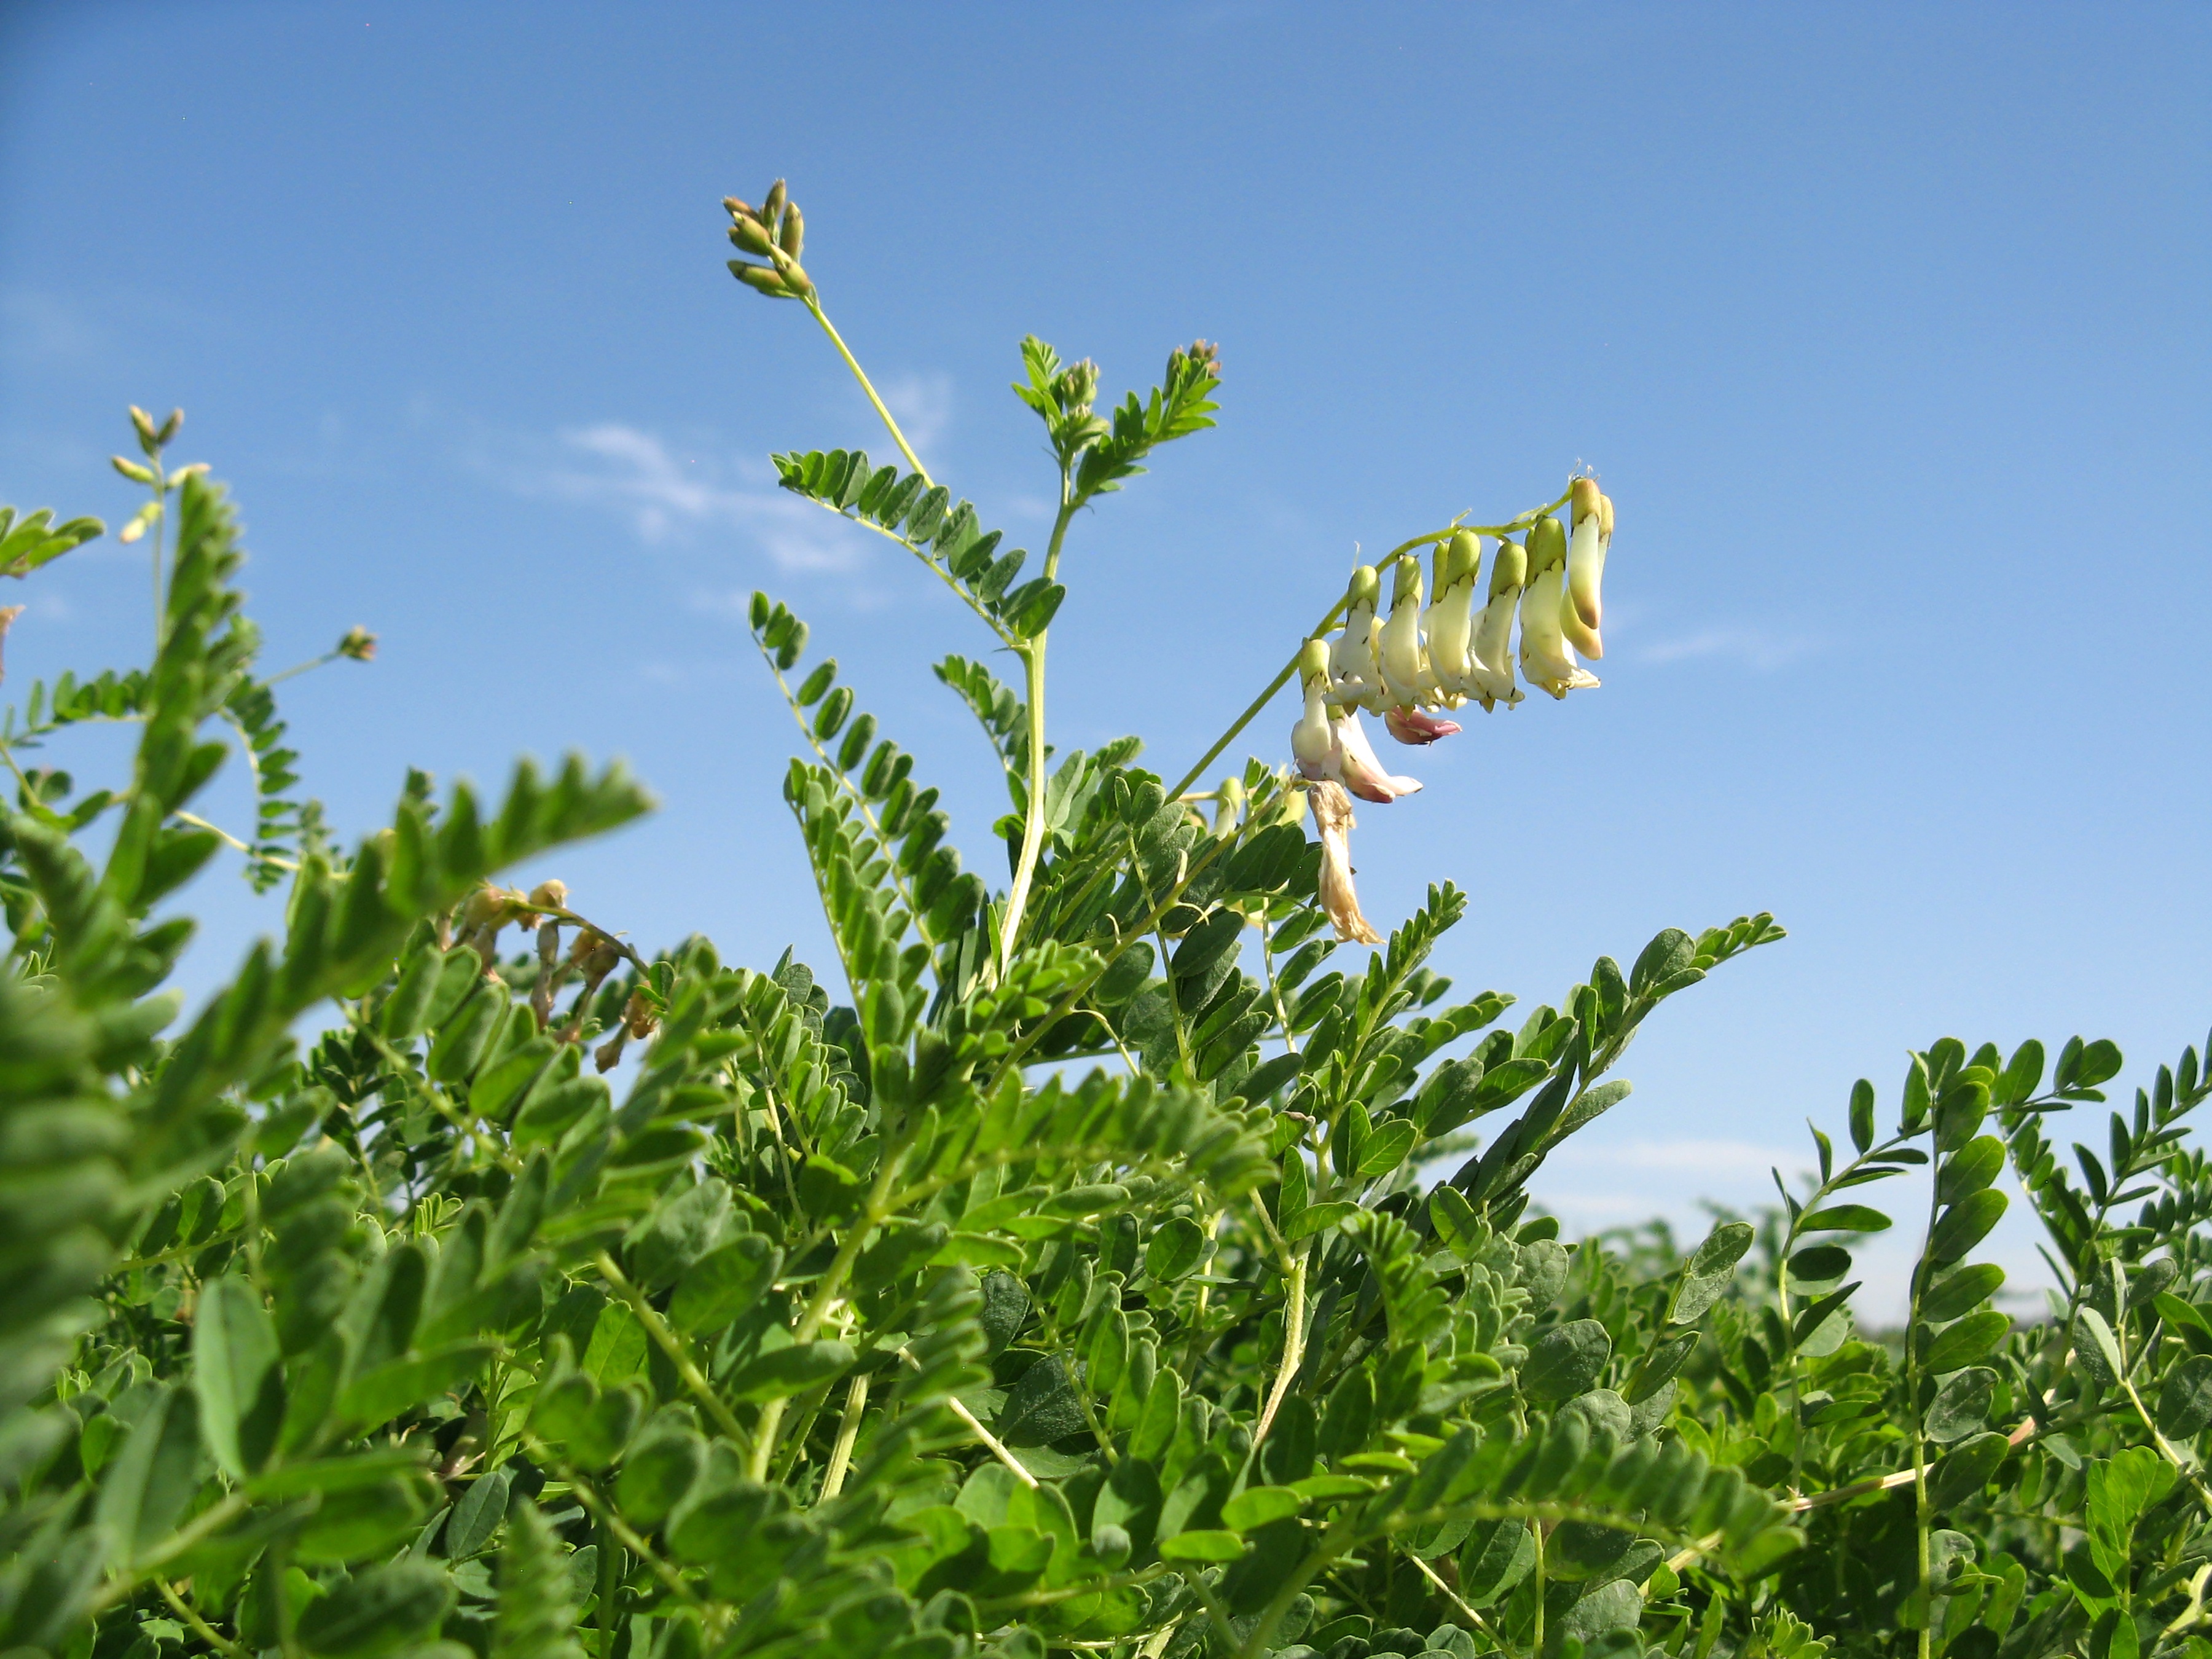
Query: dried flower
{"x": 1332, "y": 820}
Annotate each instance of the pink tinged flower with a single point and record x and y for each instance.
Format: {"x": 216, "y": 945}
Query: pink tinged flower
{"x": 1332, "y": 820}
{"x": 1586, "y": 551}
{"x": 1546, "y": 659}
{"x": 1414, "y": 726}
{"x": 1490, "y": 656}
{"x": 1405, "y": 664}
{"x": 1354, "y": 672}
{"x": 1449, "y": 622}
{"x": 1362, "y": 772}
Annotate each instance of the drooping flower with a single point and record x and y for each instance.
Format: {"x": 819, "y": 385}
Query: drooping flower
{"x": 1546, "y": 658}
{"x": 1362, "y": 773}
{"x": 1356, "y": 673}
{"x": 1332, "y": 814}
{"x": 1450, "y": 619}
{"x": 1405, "y": 665}
{"x": 1417, "y": 726}
{"x": 1489, "y": 654}
{"x": 1586, "y": 552}
{"x": 1332, "y": 745}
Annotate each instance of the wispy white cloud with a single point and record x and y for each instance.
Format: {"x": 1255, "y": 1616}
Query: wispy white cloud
{"x": 675, "y": 494}
{"x": 922, "y": 405}
{"x": 1757, "y": 649}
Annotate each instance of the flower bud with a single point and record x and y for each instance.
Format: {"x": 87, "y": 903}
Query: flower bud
{"x": 796, "y": 280}
{"x": 1228, "y": 805}
{"x": 7, "y": 615}
{"x": 1585, "y": 570}
{"x": 739, "y": 209}
{"x": 549, "y": 896}
{"x": 772, "y": 209}
{"x": 792, "y": 236}
{"x": 1405, "y": 665}
{"x": 760, "y": 279}
{"x": 1450, "y": 622}
{"x": 359, "y": 644}
{"x": 1489, "y": 654}
{"x": 169, "y": 426}
{"x": 1357, "y": 675}
{"x": 751, "y": 237}
{"x": 132, "y": 470}
{"x": 149, "y": 440}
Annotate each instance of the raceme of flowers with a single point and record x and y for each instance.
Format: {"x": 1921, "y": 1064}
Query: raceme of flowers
{"x": 1421, "y": 661}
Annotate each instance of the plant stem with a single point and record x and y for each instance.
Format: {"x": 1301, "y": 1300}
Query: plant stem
{"x": 1252, "y": 710}
{"x": 1033, "y": 817}
{"x": 201, "y": 1628}
{"x": 848, "y": 1431}
{"x": 814, "y": 305}
{"x": 670, "y": 1344}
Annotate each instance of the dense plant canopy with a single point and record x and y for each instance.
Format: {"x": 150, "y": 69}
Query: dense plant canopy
{"x": 1108, "y": 1263}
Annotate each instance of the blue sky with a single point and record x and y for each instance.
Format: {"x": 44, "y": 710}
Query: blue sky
{"x": 1884, "y": 326}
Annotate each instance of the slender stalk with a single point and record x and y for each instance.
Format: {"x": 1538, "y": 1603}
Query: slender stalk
{"x": 1294, "y": 1342}
{"x": 671, "y": 1345}
{"x": 814, "y": 305}
{"x": 201, "y": 1628}
{"x": 1033, "y": 818}
{"x": 848, "y": 1431}
{"x": 1252, "y": 709}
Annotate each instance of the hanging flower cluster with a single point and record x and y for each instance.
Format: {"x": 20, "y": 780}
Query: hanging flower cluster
{"x": 1421, "y": 661}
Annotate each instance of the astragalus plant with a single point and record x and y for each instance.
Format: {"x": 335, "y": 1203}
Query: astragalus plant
{"x": 1107, "y": 1262}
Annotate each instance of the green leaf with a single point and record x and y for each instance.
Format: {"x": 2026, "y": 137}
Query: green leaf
{"x": 1709, "y": 1272}
{"x": 1174, "y": 1249}
{"x": 2108, "y": 1348}
{"x": 784, "y": 1371}
{"x": 1566, "y": 1360}
{"x": 234, "y": 1374}
{"x": 1387, "y": 1148}
{"x": 1202, "y": 1546}
{"x": 1961, "y": 1406}
{"x": 145, "y": 1490}
{"x": 1965, "y": 1224}
{"x": 1966, "y": 1342}
{"x": 1958, "y": 1292}
{"x": 721, "y": 1285}
{"x": 2184, "y": 1403}
{"x": 379, "y": 1611}
{"x": 1966, "y": 1469}
{"x": 1844, "y": 1219}
{"x": 1255, "y": 1506}
{"x": 1317, "y": 1218}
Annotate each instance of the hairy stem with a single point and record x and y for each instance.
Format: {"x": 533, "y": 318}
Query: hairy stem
{"x": 1018, "y": 897}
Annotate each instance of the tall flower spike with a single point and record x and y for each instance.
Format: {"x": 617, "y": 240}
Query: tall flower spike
{"x": 1586, "y": 554}
{"x": 1353, "y": 666}
{"x": 1490, "y": 658}
{"x": 1405, "y": 666}
{"x": 1450, "y": 619}
{"x": 1546, "y": 659}
{"x": 1332, "y": 813}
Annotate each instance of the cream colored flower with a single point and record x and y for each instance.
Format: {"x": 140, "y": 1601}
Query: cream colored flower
{"x": 1405, "y": 664}
{"x": 1333, "y": 745}
{"x": 1546, "y": 658}
{"x": 1489, "y": 654}
{"x": 1586, "y": 551}
{"x": 1356, "y": 674}
{"x": 1450, "y": 622}
{"x": 1332, "y": 820}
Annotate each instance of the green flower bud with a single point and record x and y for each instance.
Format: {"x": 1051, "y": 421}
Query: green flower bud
{"x": 748, "y": 235}
{"x": 792, "y": 236}
{"x": 760, "y": 279}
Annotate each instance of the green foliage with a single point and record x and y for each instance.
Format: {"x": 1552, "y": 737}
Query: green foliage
{"x": 1101, "y": 1265}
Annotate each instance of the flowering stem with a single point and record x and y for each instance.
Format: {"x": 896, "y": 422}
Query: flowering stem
{"x": 814, "y": 305}
{"x": 1033, "y": 818}
{"x": 1252, "y": 710}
